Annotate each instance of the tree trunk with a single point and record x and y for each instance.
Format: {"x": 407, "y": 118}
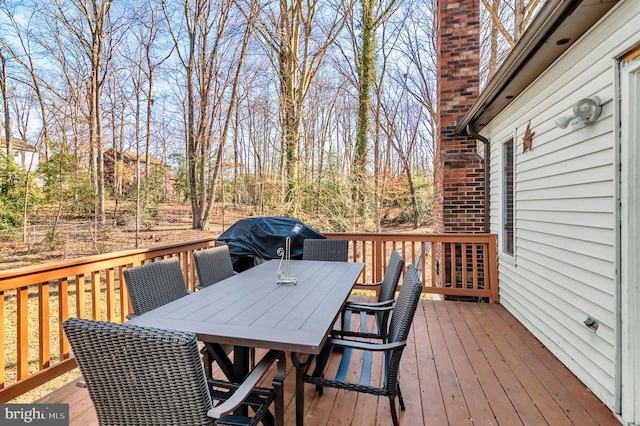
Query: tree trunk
{"x": 495, "y": 32}
{"x": 366, "y": 80}
{"x": 5, "y": 101}
{"x": 519, "y": 12}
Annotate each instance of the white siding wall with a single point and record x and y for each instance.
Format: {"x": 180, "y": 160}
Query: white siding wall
{"x": 564, "y": 268}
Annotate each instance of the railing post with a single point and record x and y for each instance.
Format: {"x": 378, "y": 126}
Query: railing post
{"x": 493, "y": 268}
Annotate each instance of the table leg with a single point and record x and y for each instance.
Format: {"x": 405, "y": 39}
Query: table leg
{"x": 240, "y": 363}
{"x": 240, "y": 370}
{"x": 301, "y": 368}
{"x": 299, "y": 397}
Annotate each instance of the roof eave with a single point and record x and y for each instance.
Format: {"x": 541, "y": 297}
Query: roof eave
{"x": 556, "y": 27}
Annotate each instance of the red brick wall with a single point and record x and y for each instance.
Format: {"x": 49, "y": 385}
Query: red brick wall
{"x": 458, "y": 169}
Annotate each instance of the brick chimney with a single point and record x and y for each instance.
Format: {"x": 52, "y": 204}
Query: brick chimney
{"x": 458, "y": 168}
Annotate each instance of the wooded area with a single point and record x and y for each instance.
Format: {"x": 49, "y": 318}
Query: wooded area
{"x": 315, "y": 109}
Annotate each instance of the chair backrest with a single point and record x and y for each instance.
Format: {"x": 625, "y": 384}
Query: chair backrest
{"x": 213, "y": 265}
{"x": 322, "y": 249}
{"x": 405, "y": 306}
{"x": 391, "y": 277}
{"x": 154, "y": 284}
{"x": 139, "y": 375}
{"x": 401, "y": 319}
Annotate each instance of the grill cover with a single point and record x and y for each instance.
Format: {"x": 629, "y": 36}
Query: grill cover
{"x": 254, "y": 239}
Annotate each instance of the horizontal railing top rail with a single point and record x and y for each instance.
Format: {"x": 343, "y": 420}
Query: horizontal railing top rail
{"x": 451, "y": 265}
{"x": 88, "y": 263}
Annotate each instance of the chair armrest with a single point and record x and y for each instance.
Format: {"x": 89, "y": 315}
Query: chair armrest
{"x": 365, "y": 306}
{"x": 366, "y": 346}
{"x": 369, "y": 309}
{"x": 379, "y": 283}
{"x": 250, "y": 382}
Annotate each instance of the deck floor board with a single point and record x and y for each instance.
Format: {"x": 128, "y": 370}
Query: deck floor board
{"x": 465, "y": 363}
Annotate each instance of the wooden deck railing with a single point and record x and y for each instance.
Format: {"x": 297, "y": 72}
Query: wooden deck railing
{"x": 471, "y": 259}
{"x": 37, "y": 299}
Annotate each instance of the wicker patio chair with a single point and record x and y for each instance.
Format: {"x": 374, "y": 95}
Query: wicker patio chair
{"x": 321, "y": 249}
{"x": 213, "y": 265}
{"x": 381, "y": 309}
{"x": 154, "y": 284}
{"x": 130, "y": 387}
{"x": 391, "y": 351}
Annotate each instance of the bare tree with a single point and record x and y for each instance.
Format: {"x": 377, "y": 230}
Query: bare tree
{"x": 88, "y": 25}
{"x": 374, "y": 14}
{"x": 509, "y": 18}
{"x": 212, "y": 65}
{"x": 297, "y": 53}
{"x": 24, "y": 55}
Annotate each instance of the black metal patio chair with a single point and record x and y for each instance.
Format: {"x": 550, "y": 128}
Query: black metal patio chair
{"x": 213, "y": 265}
{"x": 147, "y": 376}
{"x": 390, "y": 351}
{"x": 380, "y": 309}
{"x": 154, "y": 284}
{"x": 322, "y": 249}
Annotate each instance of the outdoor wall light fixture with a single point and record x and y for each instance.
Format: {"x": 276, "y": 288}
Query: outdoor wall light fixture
{"x": 585, "y": 112}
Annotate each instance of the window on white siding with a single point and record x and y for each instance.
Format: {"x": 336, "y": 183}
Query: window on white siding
{"x": 508, "y": 216}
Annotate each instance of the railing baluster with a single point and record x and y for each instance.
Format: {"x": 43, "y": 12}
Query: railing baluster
{"x": 453, "y": 262}
{"x": 474, "y": 263}
{"x": 463, "y": 256}
{"x": 365, "y": 256}
{"x": 22, "y": 299}
{"x": 95, "y": 295}
{"x": 63, "y": 314}
{"x": 377, "y": 261}
{"x": 80, "y": 308}
{"x": 433, "y": 266}
{"x": 44, "y": 339}
{"x": 111, "y": 298}
{"x": 124, "y": 296}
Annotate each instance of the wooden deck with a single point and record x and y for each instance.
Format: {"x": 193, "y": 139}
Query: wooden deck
{"x": 466, "y": 363}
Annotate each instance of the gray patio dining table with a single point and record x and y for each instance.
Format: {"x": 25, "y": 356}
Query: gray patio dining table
{"x": 251, "y": 310}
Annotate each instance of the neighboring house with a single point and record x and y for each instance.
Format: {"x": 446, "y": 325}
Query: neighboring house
{"x": 564, "y": 194}
{"x": 23, "y": 154}
{"x": 129, "y": 168}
